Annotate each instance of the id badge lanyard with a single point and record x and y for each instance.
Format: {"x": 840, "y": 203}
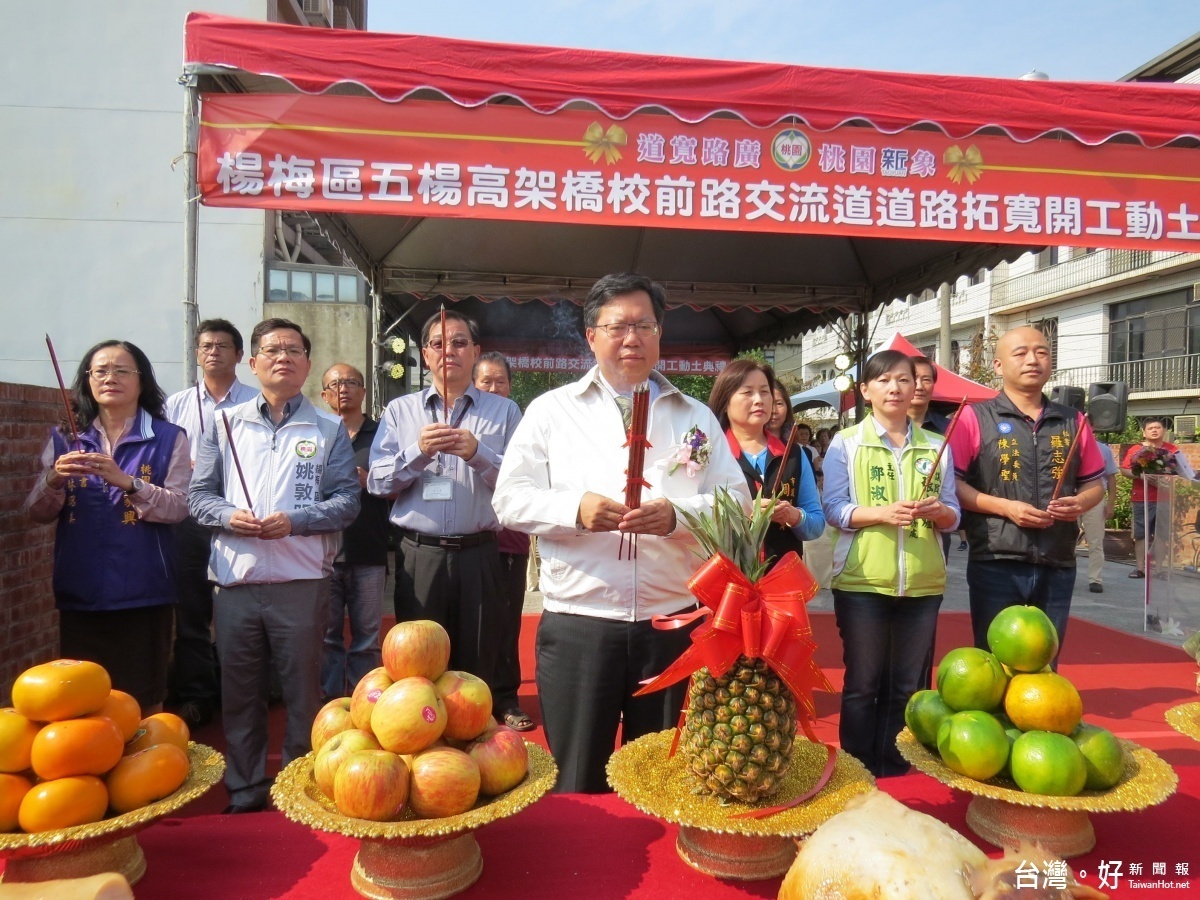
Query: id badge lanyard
{"x": 439, "y": 486}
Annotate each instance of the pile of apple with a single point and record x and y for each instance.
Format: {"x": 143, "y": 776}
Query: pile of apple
{"x": 414, "y": 735}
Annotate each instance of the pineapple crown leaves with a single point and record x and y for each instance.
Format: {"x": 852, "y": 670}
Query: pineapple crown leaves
{"x": 728, "y": 530}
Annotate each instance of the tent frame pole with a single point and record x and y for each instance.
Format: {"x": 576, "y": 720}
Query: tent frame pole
{"x": 191, "y": 226}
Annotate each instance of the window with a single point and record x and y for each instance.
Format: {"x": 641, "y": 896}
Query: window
{"x": 1049, "y": 327}
{"x": 1153, "y": 341}
{"x": 302, "y": 284}
{"x": 955, "y": 355}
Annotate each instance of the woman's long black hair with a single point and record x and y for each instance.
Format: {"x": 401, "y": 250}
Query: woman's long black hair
{"x": 152, "y": 399}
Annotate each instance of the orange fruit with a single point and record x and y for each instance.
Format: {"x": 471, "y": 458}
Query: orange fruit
{"x": 63, "y": 689}
{"x": 123, "y": 709}
{"x": 973, "y": 743}
{"x": 16, "y": 740}
{"x": 13, "y": 789}
{"x": 1047, "y": 763}
{"x": 146, "y": 776}
{"x": 63, "y": 802}
{"x": 88, "y": 746}
{"x": 160, "y": 728}
{"x": 1023, "y": 638}
{"x": 1102, "y": 755}
{"x": 1043, "y": 701}
{"x": 924, "y": 714}
{"x": 970, "y": 678}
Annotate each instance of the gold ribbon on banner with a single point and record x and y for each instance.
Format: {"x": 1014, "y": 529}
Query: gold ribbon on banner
{"x": 968, "y": 165}
{"x": 597, "y": 142}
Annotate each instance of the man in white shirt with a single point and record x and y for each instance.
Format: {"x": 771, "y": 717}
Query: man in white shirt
{"x": 561, "y": 476}
{"x": 195, "y": 688}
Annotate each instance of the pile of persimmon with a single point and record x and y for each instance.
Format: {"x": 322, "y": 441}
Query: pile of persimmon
{"x": 73, "y": 750}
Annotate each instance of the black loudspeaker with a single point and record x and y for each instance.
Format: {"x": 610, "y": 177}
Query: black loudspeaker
{"x": 1107, "y": 405}
{"x": 1068, "y": 395}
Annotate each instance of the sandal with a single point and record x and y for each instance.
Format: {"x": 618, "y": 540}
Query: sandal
{"x": 518, "y": 721}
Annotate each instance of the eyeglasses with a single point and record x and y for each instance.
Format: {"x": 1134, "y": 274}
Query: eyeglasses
{"x": 119, "y": 372}
{"x": 277, "y": 352}
{"x": 348, "y": 382}
{"x": 456, "y": 344}
{"x": 210, "y": 347}
{"x": 618, "y": 331}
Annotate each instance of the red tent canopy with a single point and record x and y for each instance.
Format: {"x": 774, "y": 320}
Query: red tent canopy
{"x": 546, "y": 79}
{"x": 950, "y": 386}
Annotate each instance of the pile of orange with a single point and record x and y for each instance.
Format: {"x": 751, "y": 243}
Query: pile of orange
{"x": 72, "y": 750}
{"x": 1006, "y": 714}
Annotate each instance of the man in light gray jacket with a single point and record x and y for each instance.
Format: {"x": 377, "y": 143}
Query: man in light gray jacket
{"x": 276, "y": 488}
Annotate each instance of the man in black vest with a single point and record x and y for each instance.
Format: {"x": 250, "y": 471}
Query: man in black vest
{"x": 1009, "y": 454}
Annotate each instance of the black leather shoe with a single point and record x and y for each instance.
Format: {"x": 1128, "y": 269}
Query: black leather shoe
{"x": 1137, "y": 573}
{"x": 234, "y": 809}
{"x": 1096, "y": 588}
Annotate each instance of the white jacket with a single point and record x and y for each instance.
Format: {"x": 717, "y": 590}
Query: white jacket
{"x": 305, "y": 468}
{"x": 571, "y": 442}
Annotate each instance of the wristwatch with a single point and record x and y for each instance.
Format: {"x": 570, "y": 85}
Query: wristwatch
{"x": 136, "y": 487}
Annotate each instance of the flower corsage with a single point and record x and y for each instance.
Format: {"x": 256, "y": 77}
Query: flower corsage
{"x": 692, "y": 452}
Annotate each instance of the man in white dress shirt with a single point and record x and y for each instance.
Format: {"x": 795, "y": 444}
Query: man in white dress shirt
{"x": 562, "y": 479}
{"x": 195, "y": 687}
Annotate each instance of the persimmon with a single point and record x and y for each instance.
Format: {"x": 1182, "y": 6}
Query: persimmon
{"x": 16, "y": 739}
{"x": 62, "y": 689}
{"x": 123, "y": 709}
{"x": 13, "y": 789}
{"x": 87, "y": 746}
{"x": 160, "y": 728}
{"x": 146, "y": 776}
{"x": 62, "y": 803}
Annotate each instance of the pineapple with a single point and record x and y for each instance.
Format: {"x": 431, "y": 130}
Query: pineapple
{"x": 739, "y": 728}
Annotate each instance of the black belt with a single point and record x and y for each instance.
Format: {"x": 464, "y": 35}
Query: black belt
{"x": 449, "y": 541}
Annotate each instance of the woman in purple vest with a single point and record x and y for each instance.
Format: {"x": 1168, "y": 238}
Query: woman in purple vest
{"x": 113, "y": 494}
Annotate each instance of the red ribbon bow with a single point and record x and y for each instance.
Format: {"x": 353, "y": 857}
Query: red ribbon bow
{"x": 767, "y": 619}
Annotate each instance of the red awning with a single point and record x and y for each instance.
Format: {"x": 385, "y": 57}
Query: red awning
{"x": 950, "y": 387}
{"x": 546, "y": 79}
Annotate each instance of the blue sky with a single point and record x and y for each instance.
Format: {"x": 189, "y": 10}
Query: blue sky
{"x": 1070, "y": 40}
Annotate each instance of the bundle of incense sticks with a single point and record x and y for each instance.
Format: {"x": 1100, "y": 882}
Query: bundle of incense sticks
{"x": 635, "y": 470}
{"x": 200, "y": 407}
{"x": 237, "y": 463}
{"x": 787, "y": 451}
{"x": 1062, "y": 476}
{"x": 62, "y": 389}
{"x": 445, "y": 357}
{"x": 937, "y": 461}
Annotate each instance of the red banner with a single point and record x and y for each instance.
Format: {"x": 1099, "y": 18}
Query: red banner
{"x": 429, "y": 158}
{"x": 544, "y": 356}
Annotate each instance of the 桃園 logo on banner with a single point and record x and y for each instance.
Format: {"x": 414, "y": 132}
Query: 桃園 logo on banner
{"x": 306, "y": 449}
{"x": 791, "y": 149}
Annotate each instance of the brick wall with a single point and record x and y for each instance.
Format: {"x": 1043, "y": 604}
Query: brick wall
{"x": 28, "y": 621}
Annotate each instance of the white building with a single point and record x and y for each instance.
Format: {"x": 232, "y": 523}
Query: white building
{"x": 92, "y": 191}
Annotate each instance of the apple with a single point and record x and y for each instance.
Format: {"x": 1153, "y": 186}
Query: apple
{"x": 332, "y": 718}
{"x": 371, "y": 784}
{"x": 468, "y": 702}
{"x": 366, "y": 692}
{"x": 335, "y": 751}
{"x": 408, "y": 716}
{"x": 502, "y": 759}
{"x": 445, "y": 782}
{"x": 16, "y": 740}
{"x": 419, "y": 648}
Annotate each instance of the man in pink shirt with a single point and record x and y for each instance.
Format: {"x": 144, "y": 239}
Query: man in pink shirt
{"x": 1009, "y": 454}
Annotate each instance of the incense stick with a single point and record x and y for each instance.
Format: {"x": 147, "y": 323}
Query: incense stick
{"x": 62, "y": 389}
{"x": 787, "y": 451}
{"x": 200, "y": 407}
{"x": 1062, "y": 476}
{"x": 445, "y": 357}
{"x": 937, "y": 461}
{"x": 237, "y": 463}
{"x": 634, "y": 471}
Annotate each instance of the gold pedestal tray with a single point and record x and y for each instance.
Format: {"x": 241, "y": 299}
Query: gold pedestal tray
{"x": 109, "y": 845}
{"x": 411, "y": 859}
{"x": 1185, "y": 719}
{"x": 1004, "y": 815}
{"x": 710, "y": 840}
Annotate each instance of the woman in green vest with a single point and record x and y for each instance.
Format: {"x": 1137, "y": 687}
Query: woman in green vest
{"x": 889, "y": 572}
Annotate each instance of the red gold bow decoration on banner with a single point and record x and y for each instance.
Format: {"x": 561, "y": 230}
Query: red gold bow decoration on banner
{"x": 767, "y": 619}
{"x": 968, "y": 165}
{"x": 597, "y": 142}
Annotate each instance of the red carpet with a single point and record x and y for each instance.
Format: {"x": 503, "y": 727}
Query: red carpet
{"x": 599, "y": 847}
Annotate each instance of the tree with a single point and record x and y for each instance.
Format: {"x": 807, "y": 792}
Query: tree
{"x": 980, "y": 353}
